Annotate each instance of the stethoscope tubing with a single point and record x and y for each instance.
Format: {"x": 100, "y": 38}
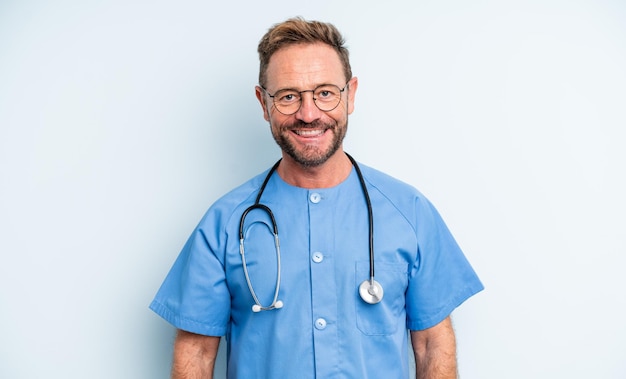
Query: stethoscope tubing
{"x": 370, "y": 290}
{"x": 257, "y": 303}
{"x": 370, "y": 214}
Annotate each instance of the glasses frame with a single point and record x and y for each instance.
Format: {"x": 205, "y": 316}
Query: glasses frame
{"x": 341, "y": 90}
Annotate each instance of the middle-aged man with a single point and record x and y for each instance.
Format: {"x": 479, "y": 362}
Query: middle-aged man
{"x": 326, "y": 275}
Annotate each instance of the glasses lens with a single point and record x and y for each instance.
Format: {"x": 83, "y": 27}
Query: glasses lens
{"x": 327, "y": 97}
{"x": 287, "y": 101}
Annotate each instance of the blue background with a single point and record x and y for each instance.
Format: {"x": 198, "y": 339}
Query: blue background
{"x": 122, "y": 121}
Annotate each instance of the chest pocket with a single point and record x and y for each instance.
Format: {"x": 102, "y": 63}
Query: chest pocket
{"x": 389, "y": 314}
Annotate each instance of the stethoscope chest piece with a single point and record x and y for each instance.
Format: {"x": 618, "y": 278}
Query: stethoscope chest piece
{"x": 371, "y": 291}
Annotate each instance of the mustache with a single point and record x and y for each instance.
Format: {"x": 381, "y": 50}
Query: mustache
{"x": 317, "y": 124}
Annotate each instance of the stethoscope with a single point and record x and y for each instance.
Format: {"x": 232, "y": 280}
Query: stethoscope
{"x": 370, "y": 290}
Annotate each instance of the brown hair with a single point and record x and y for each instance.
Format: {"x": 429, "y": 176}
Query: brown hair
{"x": 296, "y": 31}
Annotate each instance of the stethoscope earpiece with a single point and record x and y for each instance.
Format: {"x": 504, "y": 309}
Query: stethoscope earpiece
{"x": 256, "y": 308}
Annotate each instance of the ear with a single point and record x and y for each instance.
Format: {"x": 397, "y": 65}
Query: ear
{"x": 353, "y": 84}
{"x": 260, "y": 96}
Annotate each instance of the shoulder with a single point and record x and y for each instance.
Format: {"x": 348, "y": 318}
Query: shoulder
{"x": 404, "y": 197}
{"x": 240, "y": 196}
{"x": 388, "y": 185}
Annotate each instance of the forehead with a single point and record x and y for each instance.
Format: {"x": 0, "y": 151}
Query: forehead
{"x": 303, "y": 66}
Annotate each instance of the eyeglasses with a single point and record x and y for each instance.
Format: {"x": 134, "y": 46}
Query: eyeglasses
{"x": 288, "y": 101}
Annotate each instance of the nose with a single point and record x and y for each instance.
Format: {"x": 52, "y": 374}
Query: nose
{"x": 308, "y": 111}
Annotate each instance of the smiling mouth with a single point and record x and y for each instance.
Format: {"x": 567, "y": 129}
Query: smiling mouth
{"x": 309, "y": 132}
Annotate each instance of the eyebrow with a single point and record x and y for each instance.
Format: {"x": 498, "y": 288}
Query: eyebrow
{"x": 298, "y": 90}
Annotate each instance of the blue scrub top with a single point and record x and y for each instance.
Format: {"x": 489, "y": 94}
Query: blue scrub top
{"x": 324, "y": 330}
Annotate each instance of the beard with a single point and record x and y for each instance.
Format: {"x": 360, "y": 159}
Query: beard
{"x": 309, "y": 155}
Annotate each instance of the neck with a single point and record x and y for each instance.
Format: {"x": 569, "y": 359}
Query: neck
{"x": 329, "y": 174}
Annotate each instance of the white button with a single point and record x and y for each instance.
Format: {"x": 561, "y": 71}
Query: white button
{"x": 318, "y": 257}
{"x": 315, "y": 197}
{"x": 320, "y": 324}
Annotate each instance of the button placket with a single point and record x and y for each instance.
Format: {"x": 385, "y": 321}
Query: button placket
{"x": 323, "y": 281}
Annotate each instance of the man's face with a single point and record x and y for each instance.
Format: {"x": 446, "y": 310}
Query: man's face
{"x": 310, "y": 136}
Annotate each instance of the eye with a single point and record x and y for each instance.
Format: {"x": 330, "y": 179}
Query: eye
{"x": 287, "y": 97}
{"x": 326, "y": 93}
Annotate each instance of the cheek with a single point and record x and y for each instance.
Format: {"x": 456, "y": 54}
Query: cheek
{"x": 340, "y": 114}
{"x": 279, "y": 122}
{"x": 342, "y": 110}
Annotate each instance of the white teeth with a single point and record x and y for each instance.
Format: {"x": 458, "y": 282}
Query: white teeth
{"x": 309, "y": 133}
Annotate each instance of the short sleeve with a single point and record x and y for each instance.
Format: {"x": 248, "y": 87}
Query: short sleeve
{"x": 194, "y": 295}
{"x": 441, "y": 277}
